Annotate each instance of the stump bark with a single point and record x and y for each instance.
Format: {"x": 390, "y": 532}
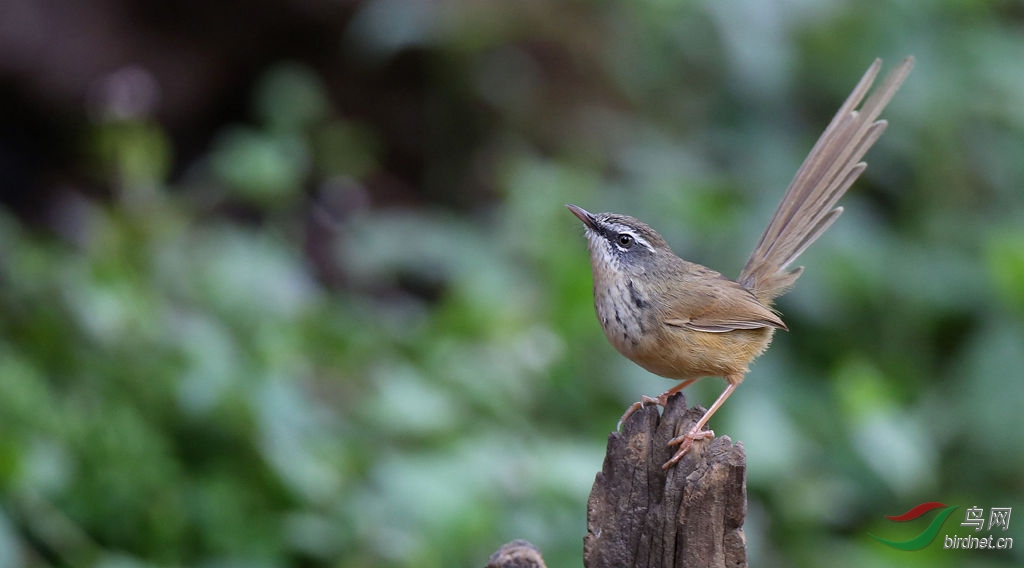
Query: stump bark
{"x": 516, "y": 554}
{"x": 641, "y": 516}
{"x": 690, "y": 515}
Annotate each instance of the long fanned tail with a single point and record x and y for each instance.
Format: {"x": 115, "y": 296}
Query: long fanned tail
{"x": 809, "y": 205}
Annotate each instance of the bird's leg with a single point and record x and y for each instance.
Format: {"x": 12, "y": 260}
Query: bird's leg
{"x": 695, "y": 433}
{"x": 660, "y": 400}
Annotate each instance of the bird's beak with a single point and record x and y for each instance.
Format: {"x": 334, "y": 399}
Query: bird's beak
{"x": 583, "y": 215}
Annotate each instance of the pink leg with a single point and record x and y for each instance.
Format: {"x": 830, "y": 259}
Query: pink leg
{"x": 660, "y": 400}
{"x": 686, "y": 440}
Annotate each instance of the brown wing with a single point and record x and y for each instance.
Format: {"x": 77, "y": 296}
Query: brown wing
{"x": 712, "y": 303}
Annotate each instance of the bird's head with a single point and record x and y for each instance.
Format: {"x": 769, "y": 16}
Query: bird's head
{"x": 621, "y": 243}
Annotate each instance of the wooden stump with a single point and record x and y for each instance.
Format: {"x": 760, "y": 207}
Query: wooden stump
{"x": 642, "y": 516}
{"x": 691, "y": 515}
{"x": 516, "y": 554}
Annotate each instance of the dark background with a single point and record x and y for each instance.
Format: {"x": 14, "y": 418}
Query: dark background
{"x": 292, "y": 283}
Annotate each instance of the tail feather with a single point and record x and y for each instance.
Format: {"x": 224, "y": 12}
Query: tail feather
{"x": 809, "y": 206}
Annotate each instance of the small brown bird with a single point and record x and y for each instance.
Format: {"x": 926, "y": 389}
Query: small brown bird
{"x": 684, "y": 321}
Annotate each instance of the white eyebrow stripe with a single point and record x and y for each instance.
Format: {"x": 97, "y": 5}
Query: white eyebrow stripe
{"x": 629, "y": 231}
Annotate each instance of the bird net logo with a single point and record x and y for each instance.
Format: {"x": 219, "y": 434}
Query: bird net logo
{"x": 998, "y": 521}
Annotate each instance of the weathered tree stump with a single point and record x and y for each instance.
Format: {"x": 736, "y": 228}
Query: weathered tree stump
{"x": 690, "y": 515}
{"x": 516, "y": 554}
{"x": 642, "y": 516}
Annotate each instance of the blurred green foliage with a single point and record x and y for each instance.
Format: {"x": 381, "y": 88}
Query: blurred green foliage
{"x": 273, "y": 359}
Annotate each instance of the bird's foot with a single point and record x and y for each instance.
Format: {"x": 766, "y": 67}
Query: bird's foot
{"x": 685, "y": 442}
{"x": 661, "y": 400}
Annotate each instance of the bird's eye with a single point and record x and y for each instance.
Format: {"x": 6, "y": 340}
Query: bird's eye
{"x": 625, "y": 240}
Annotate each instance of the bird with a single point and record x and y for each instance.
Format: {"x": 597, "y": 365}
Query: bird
{"x": 684, "y": 321}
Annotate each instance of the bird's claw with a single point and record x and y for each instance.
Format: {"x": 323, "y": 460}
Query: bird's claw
{"x": 644, "y": 400}
{"x": 685, "y": 442}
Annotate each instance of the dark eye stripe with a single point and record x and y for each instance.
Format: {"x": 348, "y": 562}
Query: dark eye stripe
{"x": 612, "y": 231}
